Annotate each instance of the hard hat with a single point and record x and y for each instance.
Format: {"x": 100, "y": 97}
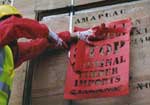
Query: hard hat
{"x": 6, "y": 10}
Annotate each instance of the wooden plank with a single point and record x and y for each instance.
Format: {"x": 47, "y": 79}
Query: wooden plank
{"x": 50, "y": 4}
{"x": 67, "y": 9}
{"x": 82, "y": 2}
{"x": 49, "y": 74}
{"x": 18, "y": 86}
{"x": 51, "y": 82}
{"x": 55, "y": 100}
{"x": 57, "y": 22}
{"x": 26, "y": 7}
{"x": 53, "y": 4}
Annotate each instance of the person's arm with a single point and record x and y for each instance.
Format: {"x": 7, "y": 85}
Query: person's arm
{"x": 33, "y": 48}
{"x": 14, "y": 28}
{"x": 30, "y": 50}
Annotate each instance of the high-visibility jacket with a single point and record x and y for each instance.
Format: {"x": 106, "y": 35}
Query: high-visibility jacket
{"x": 6, "y": 74}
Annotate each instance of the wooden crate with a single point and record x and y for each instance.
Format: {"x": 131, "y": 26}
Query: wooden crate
{"x": 49, "y": 71}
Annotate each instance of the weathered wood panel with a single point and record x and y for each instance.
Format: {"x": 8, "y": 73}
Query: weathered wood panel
{"x": 49, "y": 73}
{"x": 18, "y": 86}
{"x": 50, "y": 4}
{"x": 49, "y": 79}
{"x": 50, "y": 100}
{"x": 53, "y": 4}
{"x": 81, "y": 2}
{"x": 57, "y": 23}
{"x": 26, "y": 7}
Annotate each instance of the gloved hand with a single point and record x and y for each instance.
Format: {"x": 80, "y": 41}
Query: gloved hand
{"x": 92, "y": 34}
{"x": 57, "y": 39}
{"x": 86, "y": 35}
